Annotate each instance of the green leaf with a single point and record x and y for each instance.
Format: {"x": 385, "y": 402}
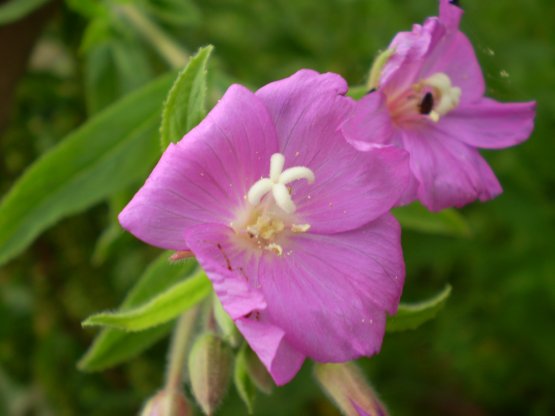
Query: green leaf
{"x": 447, "y": 222}
{"x": 106, "y": 154}
{"x": 411, "y": 316}
{"x": 185, "y": 105}
{"x": 179, "y": 13}
{"x": 17, "y": 9}
{"x": 358, "y": 91}
{"x": 242, "y": 380}
{"x": 225, "y": 323}
{"x": 159, "y": 309}
{"x": 114, "y": 346}
{"x": 114, "y": 67}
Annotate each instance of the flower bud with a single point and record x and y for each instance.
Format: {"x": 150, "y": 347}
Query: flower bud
{"x": 258, "y": 372}
{"x": 167, "y": 403}
{"x": 210, "y": 364}
{"x": 345, "y": 384}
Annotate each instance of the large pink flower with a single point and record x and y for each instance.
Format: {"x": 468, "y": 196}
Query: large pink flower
{"x": 289, "y": 221}
{"x": 430, "y": 101}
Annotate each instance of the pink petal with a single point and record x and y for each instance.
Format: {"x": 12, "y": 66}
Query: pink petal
{"x": 330, "y": 293}
{"x": 351, "y": 188}
{"x": 436, "y": 46}
{"x": 450, "y": 14}
{"x": 450, "y": 173}
{"x": 232, "y": 270}
{"x": 411, "y": 48}
{"x": 454, "y": 55}
{"x": 369, "y": 123}
{"x": 205, "y": 176}
{"x": 489, "y": 124}
{"x": 269, "y": 343}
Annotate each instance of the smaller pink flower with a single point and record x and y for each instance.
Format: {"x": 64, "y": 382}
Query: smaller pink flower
{"x": 289, "y": 221}
{"x": 430, "y": 101}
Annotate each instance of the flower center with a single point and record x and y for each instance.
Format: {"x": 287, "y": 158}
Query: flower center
{"x": 270, "y": 214}
{"x": 432, "y": 98}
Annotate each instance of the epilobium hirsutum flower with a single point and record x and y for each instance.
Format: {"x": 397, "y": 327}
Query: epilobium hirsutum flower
{"x": 430, "y": 101}
{"x": 289, "y": 221}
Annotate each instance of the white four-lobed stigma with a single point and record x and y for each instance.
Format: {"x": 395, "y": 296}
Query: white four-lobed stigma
{"x": 276, "y": 183}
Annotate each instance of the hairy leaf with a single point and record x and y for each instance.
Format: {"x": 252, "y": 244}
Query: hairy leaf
{"x": 159, "y": 309}
{"x": 411, "y": 316}
{"x": 185, "y": 105}
{"x": 113, "y": 346}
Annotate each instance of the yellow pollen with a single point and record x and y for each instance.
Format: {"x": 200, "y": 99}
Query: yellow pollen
{"x": 266, "y": 227}
{"x": 274, "y": 248}
{"x": 300, "y": 228}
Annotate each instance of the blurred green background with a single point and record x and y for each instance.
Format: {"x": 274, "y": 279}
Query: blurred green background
{"x": 491, "y": 351}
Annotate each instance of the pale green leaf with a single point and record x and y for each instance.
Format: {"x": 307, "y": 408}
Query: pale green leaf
{"x": 159, "y": 309}
{"x": 357, "y": 92}
{"x": 113, "y": 346}
{"x": 16, "y": 9}
{"x": 411, "y": 316}
{"x": 106, "y": 154}
{"x": 447, "y": 222}
{"x": 185, "y": 105}
{"x": 242, "y": 380}
{"x": 225, "y": 323}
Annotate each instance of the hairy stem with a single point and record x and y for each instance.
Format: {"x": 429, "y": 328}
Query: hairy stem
{"x": 178, "y": 349}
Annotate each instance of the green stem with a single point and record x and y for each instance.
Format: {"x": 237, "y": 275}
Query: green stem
{"x": 178, "y": 349}
{"x": 167, "y": 47}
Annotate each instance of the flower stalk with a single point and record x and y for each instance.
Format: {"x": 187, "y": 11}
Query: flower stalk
{"x": 175, "y": 56}
{"x": 178, "y": 349}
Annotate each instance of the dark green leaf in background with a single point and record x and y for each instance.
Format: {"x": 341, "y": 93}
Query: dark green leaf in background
{"x": 114, "y": 346}
{"x": 105, "y": 155}
{"x": 185, "y": 106}
{"x": 411, "y": 316}
{"x": 447, "y": 222}
{"x": 16, "y": 9}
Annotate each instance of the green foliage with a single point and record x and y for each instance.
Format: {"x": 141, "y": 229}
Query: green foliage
{"x": 114, "y": 346}
{"x": 106, "y": 154}
{"x": 185, "y": 105}
{"x": 417, "y": 217}
{"x": 497, "y": 328}
{"x": 245, "y": 386}
{"x": 158, "y": 308}
{"x": 16, "y": 9}
{"x": 174, "y": 12}
{"x": 411, "y": 316}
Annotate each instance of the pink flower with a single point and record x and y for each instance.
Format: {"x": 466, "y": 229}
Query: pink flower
{"x": 430, "y": 101}
{"x": 288, "y": 220}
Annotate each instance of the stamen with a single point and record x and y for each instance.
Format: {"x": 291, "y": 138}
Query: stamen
{"x": 274, "y": 248}
{"x": 300, "y": 228}
{"x": 445, "y": 95}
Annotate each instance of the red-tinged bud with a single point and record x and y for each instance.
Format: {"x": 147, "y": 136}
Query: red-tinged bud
{"x": 167, "y": 403}
{"x": 210, "y": 363}
{"x": 345, "y": 384}
{"x": 181, "y": 255}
